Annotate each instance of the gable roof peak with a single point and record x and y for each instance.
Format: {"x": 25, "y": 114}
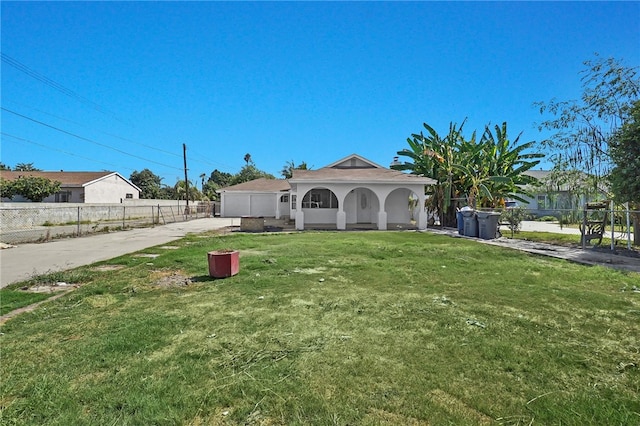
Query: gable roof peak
{"x": 354, "y": 161}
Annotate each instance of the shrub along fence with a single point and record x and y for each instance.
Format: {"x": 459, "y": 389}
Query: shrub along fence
{"x": 42, "y": 222}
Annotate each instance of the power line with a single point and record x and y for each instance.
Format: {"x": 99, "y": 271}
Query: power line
{"x": 99, "y": 131}
{"x": 55, "y": 85}
{"x": 87, "y": 139}
{"x": 62, "y": 151}
{"x": 197, "y": 159}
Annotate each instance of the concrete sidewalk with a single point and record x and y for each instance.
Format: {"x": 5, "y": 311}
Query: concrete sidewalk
{"x": 26, "y": 260}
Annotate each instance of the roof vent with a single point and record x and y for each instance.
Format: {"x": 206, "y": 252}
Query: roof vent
{"x": 395, "y": 162}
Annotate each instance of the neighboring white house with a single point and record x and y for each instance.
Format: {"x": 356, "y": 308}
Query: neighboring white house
{"x": 350, "y": 191}
{"x": 82, "y": 187}
{"x": 550, "y": 196}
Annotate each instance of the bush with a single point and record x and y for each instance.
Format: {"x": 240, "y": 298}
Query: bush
{"x": 513, "y": 217}
{"x": 547, "y": 219}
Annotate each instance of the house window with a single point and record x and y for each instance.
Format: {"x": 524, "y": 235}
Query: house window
{"x": 129, "y": 195}
{"x": 284, "y": 198}
{"x": 293, "y": 202}
{"x": 63, "y": 197}
{"x": 320, "y": 199}
{"x": 542, "y": 202}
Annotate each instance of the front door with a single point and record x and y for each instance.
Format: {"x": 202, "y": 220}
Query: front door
{"x": 363, "y": 205}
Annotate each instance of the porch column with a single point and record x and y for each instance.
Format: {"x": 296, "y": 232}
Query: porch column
{"x": 341, "y": 220}
{"x": 277, "y": 206}
{"x": 382, "y": 220}
{"x": 422, "y": 214}
{"x": 299, "y": 220}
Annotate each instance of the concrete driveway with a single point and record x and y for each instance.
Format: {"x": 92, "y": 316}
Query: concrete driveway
{"x": 26, "y": 260}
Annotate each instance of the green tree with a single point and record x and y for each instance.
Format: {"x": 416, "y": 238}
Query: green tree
{"x": 583, "y": 127}
{"x": 7, "y": 189}
{"x": 4, "y": 166}
{"x": 247, "y": 158}
{"x": 250, "y": 172}
{"x": 290, "y": 166}
{"x": 180, "y": 192}
{"x": 35, "y": 188}
{"x": 625, "y": 175}
{"x": 436, "y": 157}
{"x": 148, "y": 182}
{"x": 221, "y": 179}
{"x": 488, "y": 170}
{"x": 25, "y": 167}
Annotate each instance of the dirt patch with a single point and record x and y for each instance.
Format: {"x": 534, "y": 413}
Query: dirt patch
{"x": 169, "y": 247}
{"x": 170, "y": 279}
{"x": 51, "y": 288}
{"x": 105, "y": 268}
{"x": 147, "y": 255}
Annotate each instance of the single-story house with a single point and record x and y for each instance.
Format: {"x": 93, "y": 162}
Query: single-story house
{"x": 555, "y": 193}
{"x": 82, "y": 187}
{"x": 348, "y": 192}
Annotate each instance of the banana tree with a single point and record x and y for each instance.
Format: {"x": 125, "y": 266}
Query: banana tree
{"x": 435, "y": 157}
{"x": 505, "y": 163}
{"x": 487, "y": 171}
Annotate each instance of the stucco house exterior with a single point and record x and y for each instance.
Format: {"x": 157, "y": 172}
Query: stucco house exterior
{"x": 82, "y": 187}
{"x": 348, "y": 192}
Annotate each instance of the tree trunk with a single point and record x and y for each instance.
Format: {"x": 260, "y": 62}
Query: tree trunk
{"x": 635, "y": 216}
{"x": 449, "y": 218}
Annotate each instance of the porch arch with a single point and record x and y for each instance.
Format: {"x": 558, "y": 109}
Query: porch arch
{"x": 401, "y": 211}
{"x": 318, "y": 205}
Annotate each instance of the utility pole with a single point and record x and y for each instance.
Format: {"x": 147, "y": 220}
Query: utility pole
{"x": 186, "y": 180}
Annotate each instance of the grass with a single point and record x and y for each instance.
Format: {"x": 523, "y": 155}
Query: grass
{"x": 371, "y": 328}
{"x": 572, "y": 240}
{"x": 13, "y": 299}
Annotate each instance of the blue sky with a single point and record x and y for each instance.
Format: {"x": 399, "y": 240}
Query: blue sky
{"x": 301, "y": 81}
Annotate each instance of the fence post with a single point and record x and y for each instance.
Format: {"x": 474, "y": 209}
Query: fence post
{"x": 626, "y": 206}
{"x": 612, "y": 220}
{"x": 584, "y": 226}
{"x": 78, "y": 221}
{"x": 512, "y": 223}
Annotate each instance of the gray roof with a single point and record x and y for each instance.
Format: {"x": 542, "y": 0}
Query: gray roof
{"x": 259, "y": 185}
{"x": 357, "y": 169}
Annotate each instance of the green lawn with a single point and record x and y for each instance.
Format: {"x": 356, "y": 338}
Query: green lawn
{"x": 370, "y": 328}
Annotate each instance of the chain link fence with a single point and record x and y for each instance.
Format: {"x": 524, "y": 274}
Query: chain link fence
{"x": 597, "y": 221}
{"x": 44, "y": 223}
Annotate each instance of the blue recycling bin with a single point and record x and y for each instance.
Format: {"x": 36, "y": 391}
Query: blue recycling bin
{"x": 460, "y": 222}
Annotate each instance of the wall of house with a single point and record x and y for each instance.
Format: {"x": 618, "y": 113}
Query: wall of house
{"x": 111, "y": 189}
{"x": 320, "y": 216}
{"x": 249, "y": 204}
{"x": 397, "y": 206}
